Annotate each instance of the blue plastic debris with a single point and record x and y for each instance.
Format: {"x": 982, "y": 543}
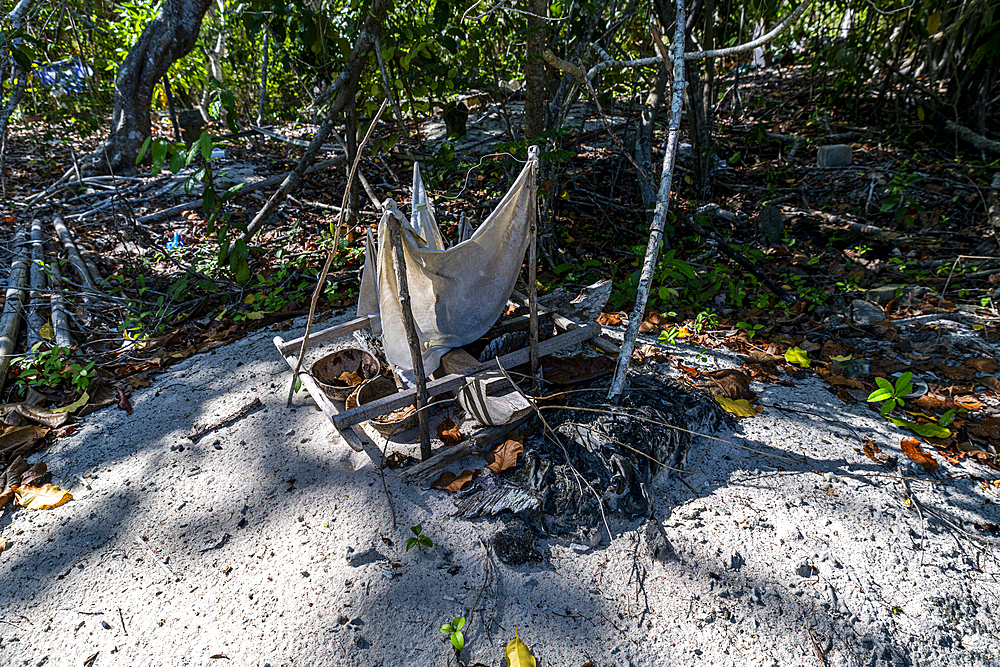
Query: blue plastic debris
{"x": 70, "y": 75}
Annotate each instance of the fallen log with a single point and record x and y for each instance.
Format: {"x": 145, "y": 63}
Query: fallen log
{"x": 13, "y": 307}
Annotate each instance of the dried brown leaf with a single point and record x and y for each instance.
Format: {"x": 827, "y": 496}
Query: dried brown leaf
{"x": 504, "y": 457}
{"x": 349, "y": 379}
{"x": 989, "y": 429}
{"x": 733, "y": 383}
{"x": 33, "y": 413}
{"x": 449, "y": 481}
{"x": 982, "y": 365}
{"x": 911, "y": 447}
{"x": 872, "y": 451}
{"x": 16, "y": 436}
{"x": 449, "y": 434}
{"x": 570, "y": 370}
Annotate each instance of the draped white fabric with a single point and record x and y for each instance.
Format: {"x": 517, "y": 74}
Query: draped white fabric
{"x": 457, "y": 294}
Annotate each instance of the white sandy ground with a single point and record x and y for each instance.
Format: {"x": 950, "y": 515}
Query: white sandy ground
{"x": 252, "y": 534}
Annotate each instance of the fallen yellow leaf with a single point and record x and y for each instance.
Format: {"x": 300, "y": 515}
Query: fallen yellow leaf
{"x": 518, "y": 654}
{"x": 841, "y": 359}
{"x": 75, "y": 405}
{"x": 740, "y": 407}
{"x": 797, "y": 356}
{"x": 40, "y": 497}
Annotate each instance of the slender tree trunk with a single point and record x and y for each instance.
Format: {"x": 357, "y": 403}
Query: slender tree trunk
{"x": 265, "y": 56}
{"x": 534, "y": 71}
{"x": 168, "y": 37}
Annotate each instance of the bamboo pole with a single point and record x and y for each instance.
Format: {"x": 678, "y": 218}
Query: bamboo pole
{"x": 536, "y": 371}
{"x": 399, "y": 267}
{"x": 39, "y": 283}
{"x": 10, "y": 320}
{"x": 659, "y": 215}
{"x": 90, "y": 289}
{"x": 57, "y": 306}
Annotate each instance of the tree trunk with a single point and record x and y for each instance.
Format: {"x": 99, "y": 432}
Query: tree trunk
{"x": 644, "y": 140}
{"x": 534, "y": 71}
{"x": 168, "y": 38}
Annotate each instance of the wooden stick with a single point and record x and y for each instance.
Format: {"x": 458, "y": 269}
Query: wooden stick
{"x": 10, "y": 320}
{"x": 333, "y": 252}
{"x": 201, "y": 429}
{"x": 536, "y": 371}
{"x": 399, "y": 267}
{"x": 474, "y": 445}
{"x": 461, "y": 378}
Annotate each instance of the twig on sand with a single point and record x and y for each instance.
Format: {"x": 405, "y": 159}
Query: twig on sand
{"x": 156, "y": 559}
{"x": 198, "y": 431}
{"x": 816, "y": 647}
{"x": 381, "y": 471}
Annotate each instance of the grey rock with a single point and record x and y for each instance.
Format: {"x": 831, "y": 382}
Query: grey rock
{"x": 361, "y": 642}
{"x": 837, "y": 155}
{"x": 804, "y": 568}
{"x": 771, "y": 224}
{"x": 362, "y": 557}
{"x": 863, "y": 312}
{"x": 735, "y": 561}
{"x": 657, "y": 545}
{"x": 905, "y": 295}
{"x": 357, "y": 620}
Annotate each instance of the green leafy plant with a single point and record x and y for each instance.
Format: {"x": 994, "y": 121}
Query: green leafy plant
{"x": 418, "y": 539}
{"x": 891, "y": 395}
{"x": 47, "y": 369}
{"x": 751, "y": 329}
{"x": 897, "y": 197}
{"x": 455, "y": 630}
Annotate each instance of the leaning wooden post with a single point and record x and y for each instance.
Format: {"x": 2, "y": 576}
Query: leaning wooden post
{"x": 659, "y": 216}
{"x": 399, "y": 268}
{"x": 536, "y": 372}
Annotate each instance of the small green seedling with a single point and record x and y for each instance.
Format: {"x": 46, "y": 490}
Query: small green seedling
{"x": 418, "y": 539}
{"x": 751, "y": 329}
{"x": 891, "y": 395}
{"x": 455, "y": 630}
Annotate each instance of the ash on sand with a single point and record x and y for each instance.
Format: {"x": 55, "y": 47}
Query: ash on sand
{"x": 614, "y": 452}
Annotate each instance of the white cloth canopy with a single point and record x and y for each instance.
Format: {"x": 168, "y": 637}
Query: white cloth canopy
{"x": 456, "y": 294}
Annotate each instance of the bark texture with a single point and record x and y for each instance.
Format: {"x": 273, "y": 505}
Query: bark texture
{"x": 168, "y": 38}
{"x": 534, "y": 71}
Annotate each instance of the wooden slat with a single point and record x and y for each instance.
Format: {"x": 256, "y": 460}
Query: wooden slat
{"x": 460, "y": 379}
{"x": 323, "y": 336}
{"x": 355, "y": 437}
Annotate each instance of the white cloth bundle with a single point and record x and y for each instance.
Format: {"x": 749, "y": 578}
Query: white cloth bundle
{"x": 456, "y": 294}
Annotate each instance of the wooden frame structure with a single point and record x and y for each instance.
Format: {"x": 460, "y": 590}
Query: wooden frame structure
{"x": 347, "y": 422}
